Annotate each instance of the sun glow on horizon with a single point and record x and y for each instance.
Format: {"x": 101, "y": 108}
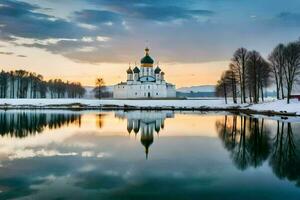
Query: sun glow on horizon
{"x": 181, "y": 74}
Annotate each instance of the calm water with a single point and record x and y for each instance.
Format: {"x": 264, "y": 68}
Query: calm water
{"x": 147, "y": 155}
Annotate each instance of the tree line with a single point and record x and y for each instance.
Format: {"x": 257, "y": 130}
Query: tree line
{"x": 249, "y": 74}
{"x": 24, "y": 84}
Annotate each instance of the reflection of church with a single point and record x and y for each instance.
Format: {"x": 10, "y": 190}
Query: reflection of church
{"x": 146, "y": 123}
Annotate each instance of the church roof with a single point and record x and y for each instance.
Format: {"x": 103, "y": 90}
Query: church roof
{"x": 136, "y": 70}
{"x": 157, "y": 70}
{"x": 129, "y": 70}
{"x": 147, "y": 59}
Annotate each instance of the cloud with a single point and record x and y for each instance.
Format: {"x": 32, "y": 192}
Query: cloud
{"x": 22, "y": 24}
{"x": 22, "y": 56}
{"x": 167, "y": 13}
{"x": 86, "y": 50}
{"x": 6, "y": 53}
{"x": 29, "y": 153}
{"x": 87, "y": 39}
{"x": 98, "y": 31}
{"x": 160, "y": 11}
{"x": 288, "y": 18}
{"x": 97, "y": 17}
{"x": 106, "y": 22}
{"x": 91, "y": 35}
{"x": 23, "y": 20}
{"x": 102, "y": 39}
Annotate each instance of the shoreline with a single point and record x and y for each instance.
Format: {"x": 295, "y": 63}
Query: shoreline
{"x": 269, "y": 108}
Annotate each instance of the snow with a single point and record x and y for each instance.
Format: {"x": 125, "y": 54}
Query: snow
{"x": 200, "y": 88}
{"x": 278, "y": 106}
{"x": 117, "y": 102}
{"x": 270, "y": 105}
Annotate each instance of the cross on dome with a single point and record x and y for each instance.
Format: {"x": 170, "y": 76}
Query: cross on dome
{"x": 147, "y": 61}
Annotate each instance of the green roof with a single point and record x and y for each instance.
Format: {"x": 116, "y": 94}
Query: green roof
{"x": 147, "y": 60}
{"x": 129, "y": 71}
{"x": 136, "y": 70}
{"x": 157, "y": 70}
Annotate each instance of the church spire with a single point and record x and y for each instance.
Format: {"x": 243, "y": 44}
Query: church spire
{"x": 147, "y": 51}
{"x": 147, "y": 152}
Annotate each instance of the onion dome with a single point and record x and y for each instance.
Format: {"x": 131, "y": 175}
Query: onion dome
{"x": 136, "y": 127}
{"x": 147, "y": 61}
{"x": 129, "y": 70}
{"x": 129, "y": 129}
{"x": 157, "y": 70}
{"x": 162, "y": 73}
{"x": 157, "y": 129}
{"x": 136, "y": 70}
{"x": 146, "y": 141}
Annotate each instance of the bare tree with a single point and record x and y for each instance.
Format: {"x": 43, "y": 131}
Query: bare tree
{"x": 221, "y": 88}
{"x": 239, "y": 61}
{"x": 292, "y": 66}
{"x": 264, "y": 75}
{"x": 227, "y": 85}
{"x": 231, "y": 79}
{"x": 100, "y": 87}
{"x": 258, "y": 75}
{"x": 252, "y": 72}
{"x": 277, "y": 59}
{"x": 236, "y": 71}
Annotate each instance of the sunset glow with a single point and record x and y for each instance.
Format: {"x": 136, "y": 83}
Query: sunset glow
{"x": 193, "y": 41}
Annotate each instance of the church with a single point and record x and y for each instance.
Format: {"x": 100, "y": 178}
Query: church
{"x": 144, "y": 82}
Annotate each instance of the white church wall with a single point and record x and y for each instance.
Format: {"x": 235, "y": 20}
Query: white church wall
{"x": 120, "y": 91}
{"x": 145, "y": 90}
{"x": 171, "y": 91}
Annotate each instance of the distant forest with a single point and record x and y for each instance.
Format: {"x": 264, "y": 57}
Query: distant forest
{"x": 23, "y": 84}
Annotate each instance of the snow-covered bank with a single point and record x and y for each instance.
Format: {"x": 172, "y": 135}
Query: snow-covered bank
{"x": 276, "y": 106}
{"x": 117, "y": 102}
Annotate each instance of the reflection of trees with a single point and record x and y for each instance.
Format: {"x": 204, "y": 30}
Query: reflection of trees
{"x": 249, "y": 143}
{"x": 22, "y": 124}
{"x": 247, "y": 139}
{"x": 259, "y": 142}
{"x": 285, "y": 155}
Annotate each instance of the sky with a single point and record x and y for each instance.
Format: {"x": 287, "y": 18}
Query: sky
{"x": 193, "y": 40}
